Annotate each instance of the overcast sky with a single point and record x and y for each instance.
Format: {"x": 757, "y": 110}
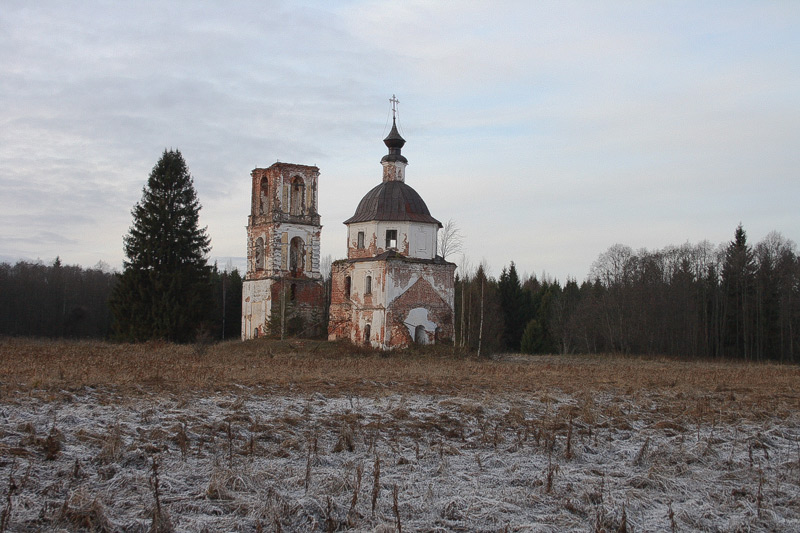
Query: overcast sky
{"x": 548, "y": 130}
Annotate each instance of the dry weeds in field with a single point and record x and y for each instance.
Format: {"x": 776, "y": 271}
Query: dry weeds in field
{"x": 271, "y": 436}
{"x": 51, "y": 365}
{"x": 701, "y": 390}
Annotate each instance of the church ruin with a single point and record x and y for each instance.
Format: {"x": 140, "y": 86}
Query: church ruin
{"x": 393, "y": 289}
{"x": 282, "y": 292}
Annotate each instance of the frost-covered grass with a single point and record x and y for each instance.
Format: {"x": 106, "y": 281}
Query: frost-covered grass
{"x": 296, "y": 437}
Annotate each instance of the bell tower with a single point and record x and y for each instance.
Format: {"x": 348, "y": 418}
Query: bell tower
{"x": 282, "y": 293}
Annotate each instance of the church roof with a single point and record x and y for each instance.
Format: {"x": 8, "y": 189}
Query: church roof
{"x": 392, "y": 200}
{"x": 394, "y": 255}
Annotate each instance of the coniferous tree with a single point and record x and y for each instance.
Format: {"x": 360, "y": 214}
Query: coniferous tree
{"x": 512, "y": 301}
{"x": 164, "y": 290}
{"x": 738, "y": 280}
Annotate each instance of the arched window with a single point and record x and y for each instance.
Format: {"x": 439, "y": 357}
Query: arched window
{"x": 368, "y": 285}
{"x": 347, "y": 287}
{"x": 360, "y": 240}
{"x": 297, "y": 256}
{"x": 298, "y": 196}
{"x": 263, "y": 194}
{"x": 366, "y": 334}
{"x": 259, "y": 254}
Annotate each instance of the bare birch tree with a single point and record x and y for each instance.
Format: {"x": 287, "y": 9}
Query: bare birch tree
{"x": 451, "y": 240}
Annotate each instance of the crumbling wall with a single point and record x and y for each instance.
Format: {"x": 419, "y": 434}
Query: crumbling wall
{"x": 422, "y": 296}
{"x": 340, "y": 314}
{"x": 405, "y": 294}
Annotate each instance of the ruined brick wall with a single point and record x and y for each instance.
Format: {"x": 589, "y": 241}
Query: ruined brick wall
{"x": 300, "y": 303}
{"x": 405, "y": 295}
{"x": 422, "y": 295}
{"x": 340, "y": 313}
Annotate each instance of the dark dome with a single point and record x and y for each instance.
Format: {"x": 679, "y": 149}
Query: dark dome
{"x": 392, "y": 200}
{"x": 394, "y": 142}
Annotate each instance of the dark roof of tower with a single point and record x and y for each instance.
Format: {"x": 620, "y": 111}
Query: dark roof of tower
{"x": 392, "y": 200}
{"x": 394, "y": 142}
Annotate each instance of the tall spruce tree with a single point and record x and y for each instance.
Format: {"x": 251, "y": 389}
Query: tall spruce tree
{"x": 738, "y": 281}
{"x": 164, "y": 290}
{"x": 512, "y": 301}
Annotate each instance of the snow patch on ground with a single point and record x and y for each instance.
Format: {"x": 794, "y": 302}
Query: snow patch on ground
{"x": 253, "y": 460}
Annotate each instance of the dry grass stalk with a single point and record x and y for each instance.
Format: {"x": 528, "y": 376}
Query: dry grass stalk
{"x": 568, "y": 451}
{"x": 346, "y": 439}
{"x": 83, "y": 512}
{"x": 52, "y": 444}
{"x": 309, "y": 455}
{"x": 396, "y": 508}
{"x": 351, "y": 514}
{"x": 673, "y": 526}
{"x": 376, "y": 482}
{"x": 760, "y": 493}
{"x": 182, "y": 440}
{"x": 331, "y": 524}
{"x": 641, "y": 455}
{"x": 112, "y": 446}
{"x": 551, "y": 472}
{"x": 161, "y": 522}
{"x": 5, "y": 515}
{"x": 229, "y": 434}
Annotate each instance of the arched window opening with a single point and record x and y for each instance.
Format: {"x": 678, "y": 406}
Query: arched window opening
{"x": 360, "y": 240}
{"x": 298, "y": 196}
{"x": 293, "y": 292}
{"x": 259, "y": 254}
{"x": 263, "y": 193}
{"x": 347, "y": 287}
{"x": 366, "y": 334}
{"x": 297, "y": 256}
{"x": 420, "y": 337}
{"x": 368, "y": 285}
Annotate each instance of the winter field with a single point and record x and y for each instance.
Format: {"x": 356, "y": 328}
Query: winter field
{"x": 306, "y": 436}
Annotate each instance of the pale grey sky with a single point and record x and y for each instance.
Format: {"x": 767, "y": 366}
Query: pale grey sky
{"x": 548, "y": 130}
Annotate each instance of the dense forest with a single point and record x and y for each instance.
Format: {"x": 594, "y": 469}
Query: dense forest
{"x": 38, "y": 300}
{"x": 734, "y": 300}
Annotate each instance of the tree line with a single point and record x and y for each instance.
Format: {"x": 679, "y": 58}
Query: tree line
{"x": 734, "y": 300}
{"x": 69, "y": 301}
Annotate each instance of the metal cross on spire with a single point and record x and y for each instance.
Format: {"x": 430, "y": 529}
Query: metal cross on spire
{"x": 394, "y": 102}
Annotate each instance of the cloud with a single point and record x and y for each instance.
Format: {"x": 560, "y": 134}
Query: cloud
{"x": 548, "y": 130}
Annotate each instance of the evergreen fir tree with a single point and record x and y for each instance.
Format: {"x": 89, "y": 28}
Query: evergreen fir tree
{"x": 512, "y": 301}
{"x": 164, "y": 290}
{"x": 738, "y": 280}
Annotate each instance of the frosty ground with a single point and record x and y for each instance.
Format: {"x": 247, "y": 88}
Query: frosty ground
{"x": 616, "y": 452}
